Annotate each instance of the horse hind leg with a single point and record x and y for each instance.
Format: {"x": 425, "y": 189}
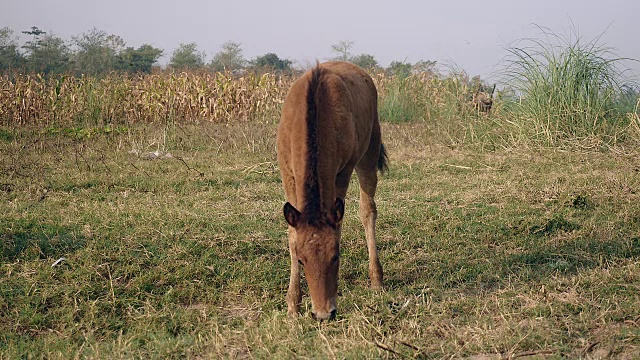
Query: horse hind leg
{"x": 368, "y": 180}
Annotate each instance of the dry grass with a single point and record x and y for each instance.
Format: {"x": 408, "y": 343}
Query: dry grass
{"x": 511, "y": 253}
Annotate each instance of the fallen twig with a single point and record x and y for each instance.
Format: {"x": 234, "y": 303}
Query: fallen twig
{"x": 528, "y": 353}
{"x": 458, "y": 166}
{"x": 137, "y": 168}
{"x": 386, "y": 348}
{"x": 200, "y": 173}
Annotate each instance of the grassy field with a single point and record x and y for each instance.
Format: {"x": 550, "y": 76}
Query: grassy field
{"x": 174, "y": 246}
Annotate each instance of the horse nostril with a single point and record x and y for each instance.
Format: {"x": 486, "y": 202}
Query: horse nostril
{"x": 332, "y": 315}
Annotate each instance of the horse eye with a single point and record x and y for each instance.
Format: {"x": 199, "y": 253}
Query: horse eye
{"x": 335, "y": 257}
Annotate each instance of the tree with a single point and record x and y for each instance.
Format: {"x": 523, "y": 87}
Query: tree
{"x": 229, "y": 58}
{"x": 31, "y": 45}
{"x": 47, "y": 53}
{"x": 342, "y": 49}
{"x": 116, "y": 43}
{"x": 10, "y": 57}
{"x": 6, "y": 38}
{"x": 187, "y": 56}
{"x": 272, "y": 61}
{"x": 399, "y": 68}
{"x": 425, "y": 66}
{"x": 343, "y": 53}
{"x": 96, "y": 52}
{"x": 36, "y": 33}
{"x": 138, "y": 60}
{"x": 365, "y": 61}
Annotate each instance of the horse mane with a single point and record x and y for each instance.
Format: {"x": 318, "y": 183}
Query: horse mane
{"x": 313, "y": 205}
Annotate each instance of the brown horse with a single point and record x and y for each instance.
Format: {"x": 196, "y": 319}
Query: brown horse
{"x": 329, "y": 127}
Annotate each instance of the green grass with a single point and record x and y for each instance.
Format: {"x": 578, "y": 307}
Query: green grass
{"x": 569, "y": 88}
{"x": 487, "y": 252}
{"x": 400, "y": 105}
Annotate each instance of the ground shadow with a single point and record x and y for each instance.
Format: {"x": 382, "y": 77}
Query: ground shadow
{"x": 28, "y": 240}
{"x": 532, "y": 263}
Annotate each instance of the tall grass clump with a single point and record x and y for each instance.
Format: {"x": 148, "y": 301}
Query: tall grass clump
{"x": 568, "y": 89}
{"x": 444, "y": 101}
{"x": 400, "y": 103}
{"x": 423, "y": 96}
{"x": 634, "y": 120}
{"x": 406, "y": 98}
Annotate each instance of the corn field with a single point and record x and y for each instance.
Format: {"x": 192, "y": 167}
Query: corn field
{"x": 119, "y": 99}
{"x": 188, "y": 97}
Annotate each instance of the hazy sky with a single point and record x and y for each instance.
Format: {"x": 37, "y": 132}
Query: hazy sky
{"x": 471, "y": 34}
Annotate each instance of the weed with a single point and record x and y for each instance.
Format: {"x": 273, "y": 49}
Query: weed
{"x": 582, "y": 202}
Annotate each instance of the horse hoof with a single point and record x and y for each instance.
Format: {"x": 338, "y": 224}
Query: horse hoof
{"x": 377, "y": 286}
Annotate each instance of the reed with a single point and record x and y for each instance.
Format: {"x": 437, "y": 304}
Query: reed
{"x": 568, "y": 88}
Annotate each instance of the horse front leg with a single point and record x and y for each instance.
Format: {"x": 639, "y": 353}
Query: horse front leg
{"x": 368, "y": 215}
{"x": 294, "y": 295}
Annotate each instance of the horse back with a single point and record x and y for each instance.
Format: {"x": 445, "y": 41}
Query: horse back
{"x": 345, "y": 119}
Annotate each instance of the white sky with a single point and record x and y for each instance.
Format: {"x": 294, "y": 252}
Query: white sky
{"x": 471, "y": 34}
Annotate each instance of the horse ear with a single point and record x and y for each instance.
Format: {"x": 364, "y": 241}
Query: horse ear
{"x": 337, "y": 212}
{"x": 291, "y": 214}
